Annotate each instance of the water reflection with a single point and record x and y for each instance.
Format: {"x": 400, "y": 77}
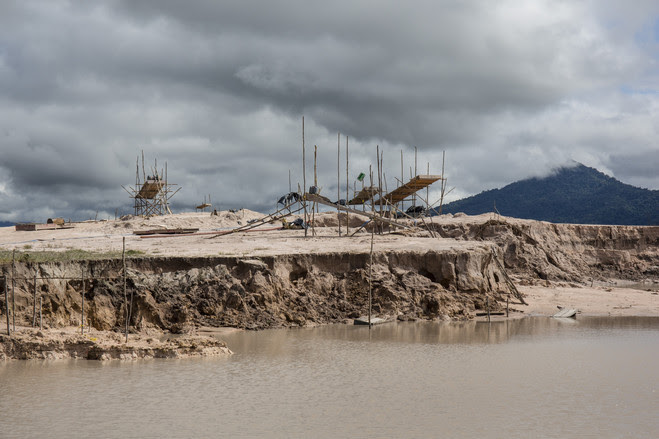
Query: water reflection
{"x": 277, "y": 341}
{"x": 531, "y": 377}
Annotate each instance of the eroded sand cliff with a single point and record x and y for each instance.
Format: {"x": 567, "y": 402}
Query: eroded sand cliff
{"x": 278, "y": 278}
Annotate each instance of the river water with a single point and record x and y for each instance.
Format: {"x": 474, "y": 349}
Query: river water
{"x": 532, "y": 377}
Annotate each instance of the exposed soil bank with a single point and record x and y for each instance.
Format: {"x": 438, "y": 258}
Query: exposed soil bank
{"x": 279, "y": 279}
{"x": 177, "y": 294}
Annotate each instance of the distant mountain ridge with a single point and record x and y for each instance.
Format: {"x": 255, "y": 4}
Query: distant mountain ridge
{"x": 576, "y": 194}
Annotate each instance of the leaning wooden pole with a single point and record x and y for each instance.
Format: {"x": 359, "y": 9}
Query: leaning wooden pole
{"x": 6, "y": 304}
{"x": 34, "y": 302}
{"x": 441, "y": 197}
{"x": 338, "y": 179}
{"x": 304, "y": 183}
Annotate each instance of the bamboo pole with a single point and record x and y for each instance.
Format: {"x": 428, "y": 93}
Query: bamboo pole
{"x": 428, "y": 188}
{"x": 415, "y": 174}
{"x": 377, "y": 157}
{"x": 402, "y": 179}
{"x": 123, "y": 264}
{"x": 370, "y": 264}
{"x": 6, "y": 304}
{"x": 441, "y": 196}
{"x": 13, "y": 292}
{"x": 82, "y": 318}
{"x": 40, "y": 313}
{"x": 34, "y": 302}
{"x": 304, "y": 183}
{"x": 338, "y": 179}
{"x": 380, "y": 178}
{"x": 314, "y": 206}
{"x": 347, "y": 191}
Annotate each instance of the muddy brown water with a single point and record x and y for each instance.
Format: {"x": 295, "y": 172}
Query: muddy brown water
{"x": 533, "y": 377}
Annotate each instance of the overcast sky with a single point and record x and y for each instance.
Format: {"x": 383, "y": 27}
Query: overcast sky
{"x": 218, "y": 89}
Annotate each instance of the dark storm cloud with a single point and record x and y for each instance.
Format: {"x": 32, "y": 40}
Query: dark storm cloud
{"x": 217, "y": 89}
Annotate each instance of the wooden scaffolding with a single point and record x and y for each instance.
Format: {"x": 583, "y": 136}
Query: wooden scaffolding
{"x": 151, "y": 193}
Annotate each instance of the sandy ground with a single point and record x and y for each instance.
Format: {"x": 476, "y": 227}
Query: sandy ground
{"x": 107, "y": 236}
{"x": 595, "y": 301}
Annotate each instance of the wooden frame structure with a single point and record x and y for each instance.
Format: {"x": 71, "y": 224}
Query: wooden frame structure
{"x": 151, "y": 193}
{"x": 410, "y": 188}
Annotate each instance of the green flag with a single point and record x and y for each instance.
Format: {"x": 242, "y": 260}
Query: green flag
{"x": 361, "y": 176}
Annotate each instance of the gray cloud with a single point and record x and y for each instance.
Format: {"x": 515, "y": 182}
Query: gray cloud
{"x": 218, "y": 90}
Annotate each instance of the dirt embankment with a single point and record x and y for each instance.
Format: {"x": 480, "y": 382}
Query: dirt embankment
{"x": 537, "y": 251}
{"x": 279, "y": 279}
{"x": 177, "y": 294}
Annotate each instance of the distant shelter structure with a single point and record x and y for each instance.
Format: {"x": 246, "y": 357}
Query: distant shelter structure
{"x": 151, "y": 193}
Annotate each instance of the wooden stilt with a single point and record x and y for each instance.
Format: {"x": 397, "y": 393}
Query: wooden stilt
{"x": 314, "y": 206}
{"x": 347, "y": 190}
{"x": 13, "y": 292}
{"x": 441, "y": 196}
{"x": 338, "y": 178}
{"x": 34, "y": 302}
{"x": 415, "y": 174}
{"x": 123, "y": 264}
{"x": 304, "y": 183}
{"x": 82, "y": 316}
{"x": 402, "y": 179}
{"x": 4, "y": 279}
{"x": 370, "y": 264}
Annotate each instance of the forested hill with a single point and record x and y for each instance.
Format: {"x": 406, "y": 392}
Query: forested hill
{"x": 577, "y": 194}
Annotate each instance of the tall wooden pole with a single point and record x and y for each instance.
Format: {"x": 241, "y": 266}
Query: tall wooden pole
{"x": 34, "y": 302}
{"x": 441, "y": 197}
{"x": 415, "y": 174}
{"x": 314, "y": 206}
{"x": 304, "y": 183}
{"x": 347, "y": 191}
{"x": 13, "y": 292}
{"x": 370, "y": 265}
{"x": 377, "y": 153}
{"x": 381, "y": 178}
{"x": 6, "y": 304}
{"x": 82, "y": 318}
{"x": 338, "y": 179}
{"x": 402, "y": 179}
{"x": 428, "y": 188}
{"x": 123, "y": 263}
